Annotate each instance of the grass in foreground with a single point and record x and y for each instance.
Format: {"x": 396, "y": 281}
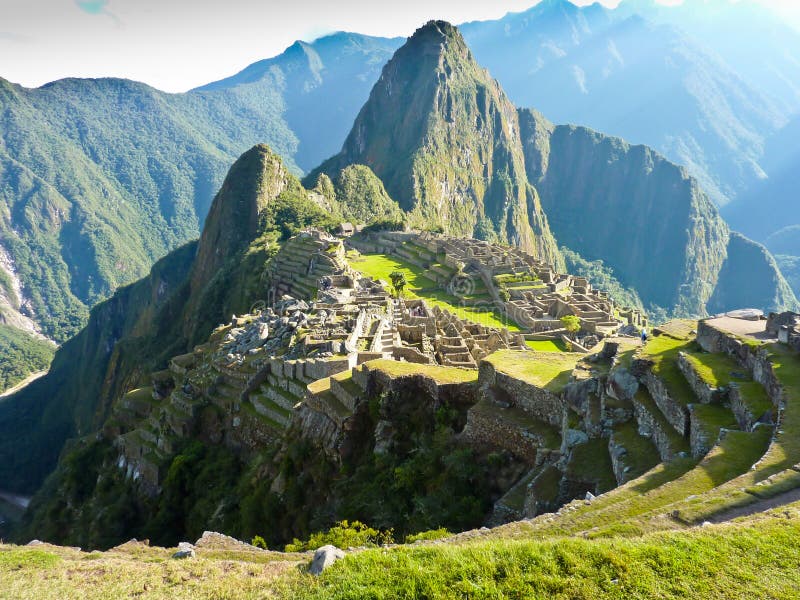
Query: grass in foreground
{"x": 147, "y": 573}
{"x": 752, "y": 560}
{"x": 756, "y": 558}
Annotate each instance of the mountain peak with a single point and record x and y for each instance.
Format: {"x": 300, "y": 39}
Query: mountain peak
{"x": 435, "y": 38}
{"x": 254, "y": 180}
{"x": 433, "y": 98}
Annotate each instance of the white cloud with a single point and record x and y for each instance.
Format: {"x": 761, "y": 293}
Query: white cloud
{"x": 178, "y": 44}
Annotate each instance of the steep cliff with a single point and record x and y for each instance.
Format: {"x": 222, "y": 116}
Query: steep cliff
{"x": 645, "y": 217}
{"x": 444, "y": 139}
{"x": 186, "y": 294}
{"x": 750, "y": 277}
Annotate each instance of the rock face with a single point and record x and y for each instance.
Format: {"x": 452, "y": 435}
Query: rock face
{"x": 185, "y": 550}
{"x": 647, "y": 220}
{"x": 324, "y": 558}
{"x": 750, "y": 277}
{"x": 255, "y": 179}
{"x": 444, "y": 139}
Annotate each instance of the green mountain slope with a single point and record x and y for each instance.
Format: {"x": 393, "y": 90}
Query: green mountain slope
{"x": 646, "y": 218}
{"x": 99, "y": 178}
{"x": 443, "y": 137}
{"x": 704, "y": 86}
{"x": 185, "y": 295}
{"x": 20, "y": 355}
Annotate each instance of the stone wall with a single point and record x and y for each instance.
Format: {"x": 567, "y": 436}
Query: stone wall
{"x": 651, "y": 427}
{"x": 754, "y": 358}
{"x": 706, "y": 393}
{"x": 676, "y": 414}
{"x": 741, "y": 410}
{"x": 495, "y": 427}
{"x": 701, "y": 440}
{"x": 537, "y": 402}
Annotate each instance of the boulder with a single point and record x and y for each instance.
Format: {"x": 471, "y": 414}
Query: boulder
{"x": 185, "y": 550}
{"x": 324, "y": 558}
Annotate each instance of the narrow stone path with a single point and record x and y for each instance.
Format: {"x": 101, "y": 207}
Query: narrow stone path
{"x": 757, "y": 507}
{"x": 15, "y": 500}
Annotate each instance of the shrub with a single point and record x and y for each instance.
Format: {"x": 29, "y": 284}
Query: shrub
{"x": 259, "y": 542}
{"x": 345, "y": 534}
{"x": 431, "y": 534}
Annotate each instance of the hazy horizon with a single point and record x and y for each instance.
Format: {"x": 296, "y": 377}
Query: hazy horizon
{"x": 182, "y": 44}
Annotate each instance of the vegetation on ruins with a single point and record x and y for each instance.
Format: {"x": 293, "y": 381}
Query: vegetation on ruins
{"x": 398, "y": 279}
{"x": 345, "y": 534}
{"x": 571, "y": 323}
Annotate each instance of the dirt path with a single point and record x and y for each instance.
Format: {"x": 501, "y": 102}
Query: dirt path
{"x": 759, "y": 506}
{"x": 15, "y": 500}
{"x": 24, "y": 383}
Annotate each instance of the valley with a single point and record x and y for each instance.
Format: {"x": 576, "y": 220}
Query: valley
{"x": 353, "y": 323}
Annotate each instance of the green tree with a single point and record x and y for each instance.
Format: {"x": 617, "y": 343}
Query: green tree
{"x": 571, "y": 323}
{"x": 399, "y": 282}
{"x": 484, "y": 230}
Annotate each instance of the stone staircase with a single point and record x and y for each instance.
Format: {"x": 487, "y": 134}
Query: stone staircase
{"x": 302, "y": 261}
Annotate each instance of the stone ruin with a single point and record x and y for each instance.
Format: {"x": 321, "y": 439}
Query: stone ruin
{"x": 786, "y": 327}
{"x": 307, "y": 364}
{"x": 504, "y": 278}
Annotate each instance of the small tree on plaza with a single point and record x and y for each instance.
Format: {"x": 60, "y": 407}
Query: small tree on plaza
{"x": 399, "y": 282}
{"x": 572, "y": 324}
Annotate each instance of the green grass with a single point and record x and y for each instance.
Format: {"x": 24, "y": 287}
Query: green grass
{"x": 781, "y": 455}
{"x": 716, "y": 370}
{"x": 379, "y": 266}
{"x": 756, "y": 558}
{"x": 545, "y": 370}
{"x": 642, "y": 454}
{"x": 632, "y": 507}
{"x": 663, "y": 350}
{"x": 592, "y": 462}
{"x": 750, "y": 561}
{"x": 24, "y": 559}
{"x": 546, "y": 345}
{"x": 441, "y": 375}
{"x": 712, "y": 418}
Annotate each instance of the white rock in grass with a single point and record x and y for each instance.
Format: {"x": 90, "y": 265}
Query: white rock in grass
{"x": 185, "y": 550}
{"x": 324, "y": 558}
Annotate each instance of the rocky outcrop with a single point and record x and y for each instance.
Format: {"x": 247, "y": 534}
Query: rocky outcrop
{"x": 324, "y": 558}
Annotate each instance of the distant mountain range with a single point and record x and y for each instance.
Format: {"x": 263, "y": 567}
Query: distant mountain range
{"x": 99, "y": 178}
{"x": 102, "y": 177}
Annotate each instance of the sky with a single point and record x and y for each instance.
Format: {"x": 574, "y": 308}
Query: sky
{"x": 176, "y": 45}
